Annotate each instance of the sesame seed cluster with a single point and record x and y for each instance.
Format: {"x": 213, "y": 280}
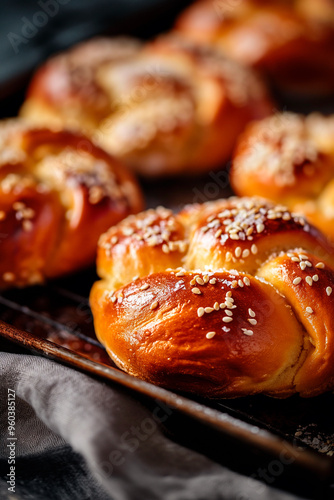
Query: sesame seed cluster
{"x": 280, "y": 148}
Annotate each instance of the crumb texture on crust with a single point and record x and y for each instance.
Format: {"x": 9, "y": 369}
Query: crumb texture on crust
{"x": 225, "y": 299}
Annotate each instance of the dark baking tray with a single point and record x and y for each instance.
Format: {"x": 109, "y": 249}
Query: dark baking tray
{"x": 284, "y": 443}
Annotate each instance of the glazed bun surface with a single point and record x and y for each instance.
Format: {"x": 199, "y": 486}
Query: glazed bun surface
{"x": 59, "y": 192}
{"x": 164, "y": 108}
{"x": 225, "y": 299}
{"x": 289, "y": 158}
{"x": 291, "y": 42}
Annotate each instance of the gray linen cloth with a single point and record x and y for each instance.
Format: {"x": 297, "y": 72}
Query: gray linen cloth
{"x": 78, "y": 438}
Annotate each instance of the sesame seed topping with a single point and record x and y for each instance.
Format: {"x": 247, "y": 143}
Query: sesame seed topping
{"x": 329, "y": 290}
{"x": 320, "y": 265}
{"x": 259, "y": 228}
{"x": 245, "y": 253}
{"x": 228, "y": 256}
{"x": 246, "y": 281}
{"x": 114, "y": 240}
{"x": 8, "y": 276}
{"x": 222, "y": 305}
{"x": 218, "y": 233}
{"x": 196, "y": 291}
{"x": 254, "y": 249}
{"x": 251, "y": 313}
{"x": 302, "y": 266}
{"x": 309, "y": 310}
{"x": 295, "y": 259}
{"x": 206, "y": 278}
{"x": 315, "y": 277}
{"x": 309, "y": 280}
{"x": 208, "y": 309}
{"x": 165, "y": 248}
{"x": 179, "y": 274}
{"x": 237, "y": 252}
{"x": 213, "y": 281}
{"x": 308, "y": 263}
{"x": 199, "y": 280}
{"x": 216, "y": 306}
{"x": 200, "y": 312}
{"x": 154, "y": 305}
{"x": 234, "y": 284}
{"x": 296, "y": 281}
{"x": 113, "y": 299}
{"x": 144, "y": 287}
{"x": 227, "y": 319}
{"x": 252, "y": 321}
{"x": 229, "y": 313}
{"x": 247, "y": 332}
{"x": 210, "y": 335}
{"x": 241, "y": 283}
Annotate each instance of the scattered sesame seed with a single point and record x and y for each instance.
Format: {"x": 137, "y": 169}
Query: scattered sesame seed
{"x": 237, "y": 252}
{"x": 295, "y": 259}
{"x": 165, "y": 248}
{"x": 234, "y": 284}
{"x": 199, "y": 280}
{"x": 315, "y": 277}
{"x": 229, "y": 294}
{"x": 216, "y": 306}
{"x": 309, "y": 280}
{"x": 144, "y": 287}
{"x": 11, "y": 277}
{"x": 213, "y": 281}
{"x": 179, "y": 274}
{"x": 329, "y": 290}
{"x": 246, "y": 281}
{"x": 320, "y": 265}
{"x": 247, "y": 332}
{"x": 229, "y": 313}
{"x": 309, "y": 310}
{"x": 308, "y": 263}
{"x": 227, "y": 319}
{"x": 254, "y": 249}
{"x": 196, "y": 291}
{"x": 113, "y": 299}
{"x": 27, "y": 225}
{"x": 302, "y": 266}
{"x": 210, "y": 335}
{"x": 251, "y": 313}
{"x": 222, "y": 305}
{"x": 296, "y": 281}
{"x": 208, "y": 309}
{"x": 252, "y": 321}
{"x": 154, "y": 305}
{"x": 200, "y": 312}
{"x": 218, "y": 233}
{"x": 206, "y": 278}
{"x": 114, "y": 240}
{"x": 193, "y": 282}
{"x": 245, "y": 253}
{"x": 228, "y": 256}
{"x": 260, "y": 228}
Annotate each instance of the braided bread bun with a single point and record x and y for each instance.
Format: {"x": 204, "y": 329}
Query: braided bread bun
{"x": 289, "y": 158}
{"x": 172, "y": 107}
{"x": 225, "y": 299}
{"x": 58, "y": 193}
{"x": 293, "y": 47}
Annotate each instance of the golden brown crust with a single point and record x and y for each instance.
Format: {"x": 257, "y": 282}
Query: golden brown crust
{"x": 59, "y": 192}
{"x": 289, "y": 158}
{"x": 162, "y": 110}
{"x": 237, "y": 311}
{"x": 284, "y": 39}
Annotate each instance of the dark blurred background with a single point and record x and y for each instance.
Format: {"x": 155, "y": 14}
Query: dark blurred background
{"x": 31, "y": 30}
